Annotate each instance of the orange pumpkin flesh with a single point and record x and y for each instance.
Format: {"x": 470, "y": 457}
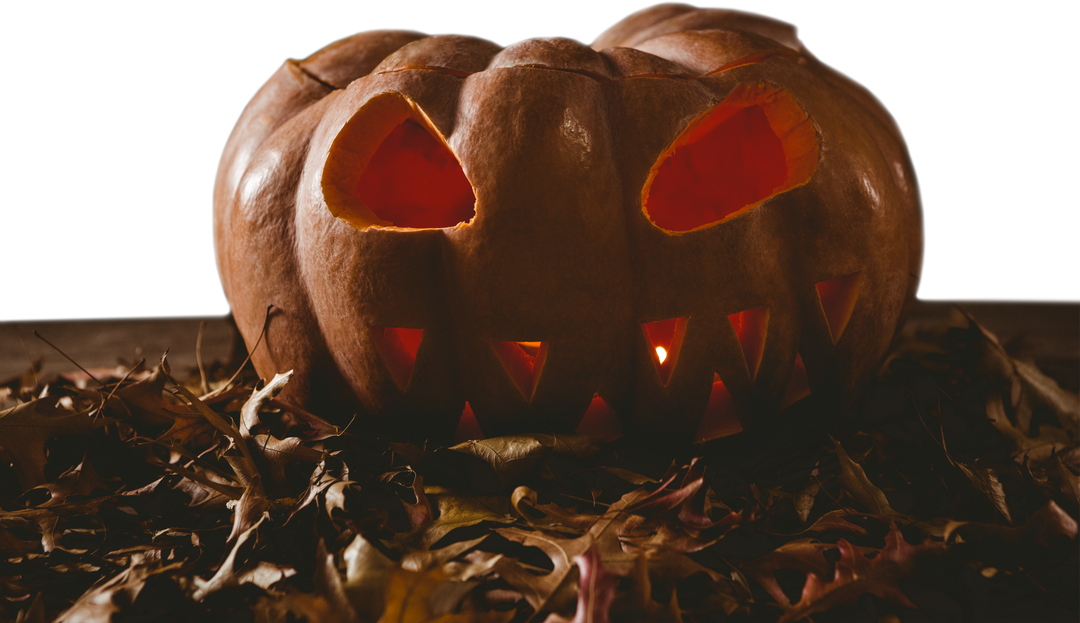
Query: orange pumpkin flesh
{"x": 464, "y": 240}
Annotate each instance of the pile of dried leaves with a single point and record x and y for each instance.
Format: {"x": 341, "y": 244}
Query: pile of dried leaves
{"x": 948, "y": 492}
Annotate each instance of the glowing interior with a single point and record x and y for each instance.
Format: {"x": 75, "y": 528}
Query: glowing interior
{"x": 720, "y": 418}
{"x": 414, "y": 181}
{"x": 468, "y": 428}
{"x": 398, "y": 348}
{"x": 798, "y": 386}
{"x": 665, "y": 338}
{"x": 390, "y": 167}
{"x": 600, "y": 421}
{"x": 751, "y": 326}
{"x": 754, "y": 144}
{"x": 837, "y": 297}
{"x": 523, "y": 362}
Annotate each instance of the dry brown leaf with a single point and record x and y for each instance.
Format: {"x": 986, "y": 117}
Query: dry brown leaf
{"x": 227, "y": 574}
{"x": 855, "y": 575}
{"x": 596, "y": 591}
{"x": 804, "y": 500}
{"x": 548, "y": 516}
{"x": 805, "y": 555}
{"x": 459, "y": 510}
{"x": 146, "y": 399}
{"x": 111, "y": 597}
{"x": 249, "y": 413}
{"x": 79, "y": 480}
{"x": 1050, "y": 440}
{"x": 516, "y": 456}
{"x": 853, "y": 479}
{"x": 273, "y": 454}
{"x": 602, "y": 535}
{"x": 367, "y": 572}
{"x": 25, "y": 428}
{"x": 986, "y": 481}
{"x": 420, "y": 597}
{"x": 250, "y": 511}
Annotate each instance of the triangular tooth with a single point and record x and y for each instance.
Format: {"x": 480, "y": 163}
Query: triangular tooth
{"x": 798, "y": 385}
{"x": 600, "y": 421}
{"x": 468, "y": 429}
{"x": 751, "y": 326}
{"x": 398, "y": 347}
{"x": 665, "y": 338}
{"x": 523, "y": 362}
{"x": 720, "y": 418}
{"x": 837, "y": 297}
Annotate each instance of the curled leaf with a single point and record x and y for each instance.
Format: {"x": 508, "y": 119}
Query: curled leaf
{"x": 853, "y": 479}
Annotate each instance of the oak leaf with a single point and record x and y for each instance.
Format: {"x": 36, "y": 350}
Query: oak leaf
{"x": 26, "y": 428}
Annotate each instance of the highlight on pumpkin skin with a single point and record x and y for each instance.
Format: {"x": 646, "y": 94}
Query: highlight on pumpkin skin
{"x": 397, "y": 347}
{"x": 390, "y": 168}
{"x": 837, "y": 297}
{"x": 665, "y": 338}
{"x": 753, "y": 145}
{"x": 751, "y": 326}
{"x": 600, "y": 421}
{"x": 523, "y": 362}
{"x": 719, "y": 418}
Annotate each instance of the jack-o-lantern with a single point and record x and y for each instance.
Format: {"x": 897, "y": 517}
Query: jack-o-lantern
{"x": 688, "y": 223}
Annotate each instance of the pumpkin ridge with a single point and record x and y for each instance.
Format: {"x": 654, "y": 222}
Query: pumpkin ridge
{"x": 753, "y": 59}
{"x": 581, "y": 72}
{"x": 442, "y": 70}
{"x": 299, "y": 67}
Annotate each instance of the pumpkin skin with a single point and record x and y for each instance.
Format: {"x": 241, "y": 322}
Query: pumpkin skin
{"x": 587, "y": 226}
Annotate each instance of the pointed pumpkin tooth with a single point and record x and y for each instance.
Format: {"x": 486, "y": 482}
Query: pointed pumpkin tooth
{"x": 798, "y": 385}
{"x": 720, "y": 418}
{"x": 523, "y": 362}
{"x": 665, "y": 338}
{"x": 398, "y": 347}
{"x": 600, "y": 421}
{"x": 837, "y": 297}
{"x": 751, "y": 326}
{"x": 468, "y": 428}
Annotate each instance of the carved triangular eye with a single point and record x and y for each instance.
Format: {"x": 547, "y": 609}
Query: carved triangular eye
{"x": 390, "y": 167}
{"x": 413, "y": 180}
{"x": 754, "y": 144}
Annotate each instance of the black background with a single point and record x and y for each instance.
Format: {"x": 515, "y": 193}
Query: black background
{"x": 120, "y": 123}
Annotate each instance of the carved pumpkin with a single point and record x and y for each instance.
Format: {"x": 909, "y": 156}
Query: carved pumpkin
{"x": 689, "y": 222}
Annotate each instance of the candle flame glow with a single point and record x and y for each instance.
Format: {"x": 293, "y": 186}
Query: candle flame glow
{"x": 661, "y": 352}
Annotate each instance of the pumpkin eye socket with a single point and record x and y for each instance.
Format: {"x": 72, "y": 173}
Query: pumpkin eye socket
{"x": 753, "y": 145}
{"x": 389, "y": 167}
{"x": 414, "y": 181}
